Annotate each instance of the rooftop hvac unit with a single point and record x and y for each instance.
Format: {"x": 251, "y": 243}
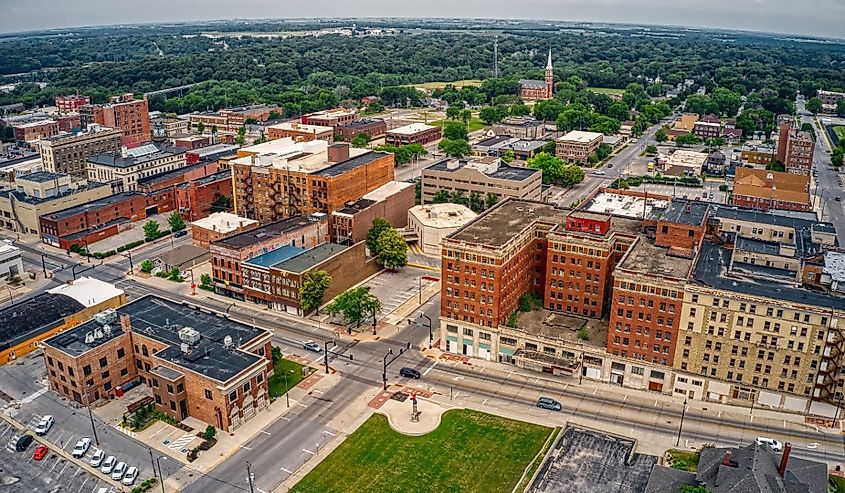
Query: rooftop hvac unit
{"x": 89, "y": 337}
{"x": 189, "y": 335}
{"x": 227, "y": 341}
{"x": 185, "y": 348}
{"x": 106, "y": 316}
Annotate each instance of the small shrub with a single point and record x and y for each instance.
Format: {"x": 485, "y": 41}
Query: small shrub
{"x": 210, "y": 432}
{"x": 511, "y": 320}
{"x": 583, "y": 334}
{"x": 162, "y": 274}
{"x": 147, "y": 266}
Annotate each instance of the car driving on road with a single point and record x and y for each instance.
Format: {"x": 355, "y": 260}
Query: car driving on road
{"x": 312, "y": 346}
{"x": 409, "y": 373}
{"x": 548, "y": 403}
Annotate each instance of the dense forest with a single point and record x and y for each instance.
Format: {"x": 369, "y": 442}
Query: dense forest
{"x": 304, "y": 73}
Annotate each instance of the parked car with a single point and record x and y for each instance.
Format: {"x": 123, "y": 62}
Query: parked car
{"x": 40, "y": 452}
{"x": 22, "y": 443}
{"x": 44, "y": 425}
{"x": 312, "y": 346}
{"x": 771, "y": 442}
{"x": 130, "y": 476}
{"x": 409, "y": 373}
{"x": 600, "y": 172}
{"x": 108, "y": 464}
{"x": 81, "y": 447}
{"x": 118, "y": 471}
{"x": 97, "y": 458}
{"x": 548, "y": 403}
{"x": 838, "y": 198}
{"x": 180, "y": 233}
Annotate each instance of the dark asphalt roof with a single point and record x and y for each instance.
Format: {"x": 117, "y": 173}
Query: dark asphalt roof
{"x": 34, "y": 316}
{"x": 219, "y": 176}
{"x": 503, "y": 172}
{"x": 532, "y": 83}
{"x": 29, "y": 199}
{"x": 758, "y": 246}
{"x": 804, "y": 228}
{"x": 118, "y": 161}
{"x": 170, "y": 174}
{"x": 683, "y": 212}
{"x": 41, "y": 176}
{"x": 491, "y": 141}
{"x": 350, "y": 164}
{"x": 711, "y": 270}
{"x": 93, "y": 205}
{"x": 310, "y": 258}
{"x": 367, "y": 122}
{"x": 264, "y": 233}
{"x": 161, "y": 319}
{"x": 357, "y": 206}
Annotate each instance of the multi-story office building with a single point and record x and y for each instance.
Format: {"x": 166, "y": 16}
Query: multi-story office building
{"x": 795, "y": 149}
{"x": 522, "y": 127}
{"x": 415, "y": 133}
{"x": 373, "y": 128}
{"x": 197, "y": 363}
{"x": 390, "y": 201}
{"x": 33, "y": 131}
{"x": 69, "y": 152}
{"x": 230, "y": 119}
{"x": 830, "y": 99}
{"x": 758, "y": 153}
{"x": 229, "y": 253}
{"x": 485, "y": 177}
{"x": 130, "y": 166}
{"x": 577, "y": 146}
{"x": 764, "y": 190}
{"x": 283, "y": 179}
{"x": 129, "y": 115}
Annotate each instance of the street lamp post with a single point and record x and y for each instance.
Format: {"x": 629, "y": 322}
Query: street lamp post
{"x": 91, "y": 416}
{"x": 326, "y": 354}
{"x": 430, "y": 333}
{"x": 287, "y": 394}
{"x": 384, "y": 371}
{"x": 374, "y": 322}
{"x": 681, "y": 424}
{"x": 160, "y": 475}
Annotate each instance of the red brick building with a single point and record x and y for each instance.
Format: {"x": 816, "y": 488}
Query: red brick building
{"x": 391, "y": 201}
{"x": 533, "y": 90}
{"x": 331, "y": 118}
{"x": 195, "y": 198}
{"x": 71, "y": 103}
{"x": 415, "y": 133}
{"x": 34, "y": 131}
{"x": 197, "y": 363}
{"x": 373, "y": 128}
{"x": 765, "y": 190}
{"x": 125, "y": 113}
{"x": 795, "y": 149}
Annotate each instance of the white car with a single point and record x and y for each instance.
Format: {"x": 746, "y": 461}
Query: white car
{"x": 81, "y": 447}
{"x": 771, "y": 442}
{"x": 44, "y": 425}
{"x": 600, "y": 172}
{"x": 118, "y": 471}
{"x": 97, "y": 458}
{"x": 130, "y": 476}
{"x": 108, "y": 464}
{"x": 312, "y": 346}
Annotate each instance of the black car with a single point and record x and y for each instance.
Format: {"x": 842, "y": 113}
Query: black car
{"x": 410, "y": 373}
{"x": 23, "y": 442}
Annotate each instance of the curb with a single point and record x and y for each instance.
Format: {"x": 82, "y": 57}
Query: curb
{"x": 416, "y": 434}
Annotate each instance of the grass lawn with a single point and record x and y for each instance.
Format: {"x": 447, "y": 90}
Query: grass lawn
{"x": 684, "y": 460}
{"x": 606, "y": 90}
{"x": 438, "y": 85}
{"x": 470, "y": 452}
{"x": 474, "y": 124}
{"x": 276, "y": 383}
{"x": 840, "y": 132}
{"x": 840, "y": 484}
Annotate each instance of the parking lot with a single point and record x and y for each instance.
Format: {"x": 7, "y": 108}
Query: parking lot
{"x": 395, "y": 288}
{"x": 135, "y": 233}
{"x": 19, "y": 472}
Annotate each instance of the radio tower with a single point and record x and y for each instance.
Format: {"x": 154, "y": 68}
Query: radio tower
{"x": 496, "y": 57}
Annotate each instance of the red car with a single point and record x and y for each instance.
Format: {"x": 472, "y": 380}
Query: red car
{"x": 40, "y": 452}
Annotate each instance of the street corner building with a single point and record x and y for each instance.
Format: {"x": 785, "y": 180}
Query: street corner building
{"x": 197, "y": 362}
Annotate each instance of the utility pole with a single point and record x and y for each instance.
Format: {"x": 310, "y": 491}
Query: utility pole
{"x": 387, "y": 362}
{"x": 153, "y": 461}
{"x": 326, "y": 355}
{"x": 249, "y": 477}
{"x": 91, "y": 417}
{"x": 681, "y": 424}
{"x": 496, "y": 57}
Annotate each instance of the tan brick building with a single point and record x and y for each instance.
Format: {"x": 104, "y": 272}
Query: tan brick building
{"x": 577, "y": 146}
{"x": 483, "y": 176}
{"x": 197, "y": 363}
{"x": 68, "y": 153}
{"x": 218, "y": 225}
{"x": 299, "y": 132}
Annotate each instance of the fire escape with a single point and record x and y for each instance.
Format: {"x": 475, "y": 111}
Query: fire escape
{"x": 830, "y": 364}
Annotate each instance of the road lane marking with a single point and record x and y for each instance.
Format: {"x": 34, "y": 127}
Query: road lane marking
{"x": 285, "y": 418}
{"x": 265, "y": 432}
{"x": 318, "y": 391}
{"x": 484, "y": 403}
{"x": 327, "y": 432}
{"x": 308, "y": 451}
{"x": 245, "y": 447}
{"x": 427, "y": 370}
{"x": 283, "y": 469}
{"x": 301, "y": 404}
{"x": 35, "y": 395}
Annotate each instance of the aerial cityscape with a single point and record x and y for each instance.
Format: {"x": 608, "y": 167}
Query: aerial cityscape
{"x": 398, "y": 251}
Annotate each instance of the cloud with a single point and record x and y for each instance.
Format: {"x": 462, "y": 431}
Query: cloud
{"x": 810, "y": 17}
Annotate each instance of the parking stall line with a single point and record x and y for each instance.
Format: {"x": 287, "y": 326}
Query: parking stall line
{"x": 63, "y": 468}
{"x": 83, "y": 485}
{"x": 55, "y": 463}
{"x": 68, "y": 442}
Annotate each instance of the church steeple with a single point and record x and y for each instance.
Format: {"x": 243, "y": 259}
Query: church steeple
{"x": 550, "y": 76}
{"x": 549, "y": 63}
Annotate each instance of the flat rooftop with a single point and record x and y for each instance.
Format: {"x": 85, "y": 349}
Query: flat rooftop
{"x": 647, "y": 258}
{"x": 387, "y": 190}
{"x": 42, "y": 176}
{"x": 624, "y": 205}
{"x": 350, "y": 164}
{"x": 259, "y": 235}
{"x": 29, "y": 199}
{"x": 499, "y": 224}
{"x": 442, "y": 215}
{"x": 591, "y": 461}
{"x": 223, "y": 222}
{"x": 411, "y": 129}
{"x": 93, "y": 205}
{"x": 580, "y": 137}
{"x": 309, "y": 258}
{"x": 119, "y": 161}
{"x": 711, "y": 269}
{"x": 301, "y": 127}
{"x": 552, "y": 325}
{"x": 34, "y": 316}
{"x": 495, "y": 168}
{"x": 682, "y": 212}
{"x": 161, "y": 319}
{"x": 276, "y": 256}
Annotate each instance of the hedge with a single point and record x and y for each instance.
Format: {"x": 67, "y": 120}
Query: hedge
{"x": 130, "y": 245}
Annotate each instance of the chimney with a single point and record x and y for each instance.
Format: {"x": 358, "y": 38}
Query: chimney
{"x": 125, "y": 324}
{"x": 726, "y": 460}
{"x": 784, "y": 459}
{"x": 338, "y": 152}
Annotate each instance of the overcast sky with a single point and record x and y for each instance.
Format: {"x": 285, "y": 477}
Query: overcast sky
{"x": 812, "y": 17}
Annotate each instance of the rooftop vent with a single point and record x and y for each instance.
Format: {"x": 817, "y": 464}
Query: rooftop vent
{"x": 106, "y": 316}
{"x": 189, "y": 335}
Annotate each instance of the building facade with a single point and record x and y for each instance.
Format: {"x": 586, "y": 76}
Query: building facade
{"x": 391, "y": 201}
{"x": 415, "y": 133}
{"x": 69, "y": 153}
{"x": 331, "y": 118}
{"x": 32, "y": 132}
{"x": 795, "y": 149}
{"x": 299, "y": 132}
{"x": 129, "y": 115}
{"x": 130, "y": 167}
{"x": 577, "y": 146}
{"x": 373, "y": 128}
{"x": 765, "y": 190}
{"x": 534, "y": 90}
{"x": 218, "y": 225}
{"x": 71, "y": 103}
{"x": 490, "y": 179}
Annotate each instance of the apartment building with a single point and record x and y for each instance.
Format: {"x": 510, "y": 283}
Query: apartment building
{"x": 488, "y": 176}
{"x": 197, "y": 363}
{"x": 764, "y": 190}
{"x": 415, "y": 133}
{"x": 229, "y": 253}
{"x": 391, "y": 201}
{"x": 132, "y": 165}
{"x": 830, "y": 99}
{"x": 332, "y": 118}
{"x": 758, "y": 153}
{"x": 129, "y": 115}
{"x": 195, "y": 199}
{"x": 707, "y": 130}
{"x": 71, "y": 103}
{"x": 33, "y": 131}
{"x": 287, "y": 179}
{"x": 795, "y": 149}
{"x": 69, "y": 152}
{"x": 299, "y": 132}
{"x": 577, "y": 146}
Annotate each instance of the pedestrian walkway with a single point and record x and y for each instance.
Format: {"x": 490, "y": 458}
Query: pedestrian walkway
{"x": 401, "y": 417}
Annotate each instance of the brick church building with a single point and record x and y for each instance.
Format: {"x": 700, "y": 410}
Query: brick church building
{"x": 534, "y": 90}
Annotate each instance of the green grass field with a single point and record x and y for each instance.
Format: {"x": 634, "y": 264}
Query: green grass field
{"x": 438, "y": 85}
{"x": 474, "y": 124}
{"x": 470, "y": 452}
{"x": 606, "y": 90}
{"x": 276, "y": 383}
{"x": 840, "y": 132}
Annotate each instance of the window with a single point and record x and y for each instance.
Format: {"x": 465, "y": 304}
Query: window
{"x": 155, "y": 382}
{"x": 158, "y": 399}
{"x": 180, "y": 388}
{"x": 259, "y": 378}
{"x": 246, "y": 387}
{"x": 105, "y": 374}
{"x": 169, "y": 389}
{"x": 172, "y": 406}
{"x": 233, "y": 396}
{"x": 121, "y": 353}
{"x": 124, "y": 372}
{"x": 103, "y": 362}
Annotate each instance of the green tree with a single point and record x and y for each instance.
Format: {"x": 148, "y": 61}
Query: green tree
{"x": 175, "y": 221}
{"x": 571, "y": 175}
{"x": 814, "y": 105}
{"x": 241, "y": 138}
{"x": 418, "y": 192}
{"x": 379, "y": 226}
{"x": 147, "y": 266}
{"x": 775, "y": 166}
{"x": 551, "y": 166}
{"x": 490, "y": 115}
{"x": 687, "y": 140}
{"x": 694, "y": 489}
{"x": 221, "y": 203}
{"x": 175, "y": 274}
{"x": 355, "y": 305}
{"x": 360, "y": 140}
{"x": 441, "y": 197}
{"x": 314, "y": 287}
{"x": 151, "y": 230}
{"x": 491, "y": 199}
{"x": 651, "y": 150}
{"x": 660, "y": 135}
{"x": 619, "y": 111}
{"x": 605, "y": 125}
{"x": 466, "y": 116}
{"x": 456, "y": 148}
{"x": 840, "y": 107}
{"x": 509, "y": 156}
{"x": 455, "y": 131}
{"x": 205, "y": 280}
{"x": 453, "y": 112}
{"x": 392, "y": 249}
{"x": 210, "y": 432}
{"x": 836, "y": 156}
{"x": 519, "y": 109}
{"x": 200, "y": 127}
